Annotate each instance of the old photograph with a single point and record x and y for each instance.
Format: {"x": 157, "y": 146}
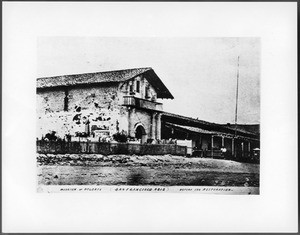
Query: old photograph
{"x": 164, "y": 114}
{"x": 149, "y": 117}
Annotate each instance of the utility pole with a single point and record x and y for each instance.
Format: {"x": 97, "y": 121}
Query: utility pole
{"x": 236, "y": 101}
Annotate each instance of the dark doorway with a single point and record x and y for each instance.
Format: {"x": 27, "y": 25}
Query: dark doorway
{"x": 140, "y": 133}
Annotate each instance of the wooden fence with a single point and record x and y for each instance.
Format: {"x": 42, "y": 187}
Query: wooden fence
{"x": 218, "y": 154}
{"x": 109, "y": 148}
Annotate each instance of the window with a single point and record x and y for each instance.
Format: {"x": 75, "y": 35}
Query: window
{"x": 130, "y": 88}
{"x": 137, "y": 86}
{"x": 146, "y": 92}
{"x": 66, "y": 100}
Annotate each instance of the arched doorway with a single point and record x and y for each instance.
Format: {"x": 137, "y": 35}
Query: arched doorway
{"x": 140, "y": 133}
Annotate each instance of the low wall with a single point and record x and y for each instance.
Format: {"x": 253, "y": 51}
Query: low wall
{"x": 109, "y": 148}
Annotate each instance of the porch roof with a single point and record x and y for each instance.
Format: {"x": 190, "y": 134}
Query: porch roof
{"x": 203, "y": 131}
{"x": 192, "y": 129}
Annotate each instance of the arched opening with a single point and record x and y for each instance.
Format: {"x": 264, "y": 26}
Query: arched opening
{"x": 140, "y": 134}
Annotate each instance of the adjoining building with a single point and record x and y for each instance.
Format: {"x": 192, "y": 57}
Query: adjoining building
{"x": 208, "y": 138}
{"x": 99, "y": 105}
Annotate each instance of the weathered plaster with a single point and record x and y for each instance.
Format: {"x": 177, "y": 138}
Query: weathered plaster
{"x": 98, "y": 109}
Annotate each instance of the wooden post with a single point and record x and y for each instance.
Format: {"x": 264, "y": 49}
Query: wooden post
{"x": 212, "y": 146}
{"x": 153, "y": 127}
{"x": 130, "y": 122}
{"x": 222, "y": 141}
{"x": 80, "y": 149}
{"x": 200, "y": 142}
{"x": 242, "y": 144}
{"x": 158, "y": 126}
{"x": 233, "y": 153}
{"x": 54, "y": 146}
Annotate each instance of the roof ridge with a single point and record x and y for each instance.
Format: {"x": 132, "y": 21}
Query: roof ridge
{"x": 194, "y": 119}
{"x": 106, "y": 77}
{"x": 108, "y": 71}
{"x": 212, "y": 123}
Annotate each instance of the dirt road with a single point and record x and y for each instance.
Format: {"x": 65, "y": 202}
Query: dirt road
{"x": 167, "y": 170}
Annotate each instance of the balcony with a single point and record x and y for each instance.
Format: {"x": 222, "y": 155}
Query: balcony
{"x": 142, "y": 103}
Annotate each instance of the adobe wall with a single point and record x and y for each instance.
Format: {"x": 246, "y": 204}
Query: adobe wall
{"x": 151, "y": 93}
{"x": 49, "y": 101}
{"x": 139, "y": 117}
{"x": 99, "y": 105}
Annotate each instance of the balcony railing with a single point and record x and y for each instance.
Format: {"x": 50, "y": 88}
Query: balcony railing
{"x": 142, "y": 103}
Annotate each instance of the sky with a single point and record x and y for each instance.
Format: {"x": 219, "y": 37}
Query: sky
{"x": 201, "y": 73}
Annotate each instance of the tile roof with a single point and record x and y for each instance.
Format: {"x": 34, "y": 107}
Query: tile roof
{"x": 214, "y": 133}
{"x": 106, "y": 77}
{"x": 243, "y": 131}
{"x": 90, "y": 78}
{"x": 188, "y": 118}
{"x": 192, "y": 129}
{"x": 251, "y": 128}
{"x": 218, "y": 127}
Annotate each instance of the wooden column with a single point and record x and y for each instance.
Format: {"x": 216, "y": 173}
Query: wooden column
{"x": 200, "y": 141}
{"x": 158, "y": 127}
{"x": 212, "y": 146}
{"x": 249, "y": 149}
{"x": 242, "y": 144}
{"x": 153, "y": 128}
{"x": 233, "y": 148}
{"x": 129, "y": 121}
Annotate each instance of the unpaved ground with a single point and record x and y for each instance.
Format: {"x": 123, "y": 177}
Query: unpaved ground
{"x": 167, "y": 170}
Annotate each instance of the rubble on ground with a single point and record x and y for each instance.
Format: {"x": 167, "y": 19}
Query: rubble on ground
{"x": 155, "y": 161}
